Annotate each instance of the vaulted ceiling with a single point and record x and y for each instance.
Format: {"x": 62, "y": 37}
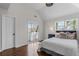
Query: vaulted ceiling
{"x": 58, "y": 10}
{"x": 47, "y": 13}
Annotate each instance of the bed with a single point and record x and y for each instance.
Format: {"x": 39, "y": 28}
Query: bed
{"x": 60, "y": 47}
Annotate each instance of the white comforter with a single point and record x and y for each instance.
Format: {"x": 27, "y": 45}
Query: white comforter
{"x": 62, "y": 46}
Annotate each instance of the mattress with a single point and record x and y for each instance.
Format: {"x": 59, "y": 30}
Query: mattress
{"x": 62, "y": 46}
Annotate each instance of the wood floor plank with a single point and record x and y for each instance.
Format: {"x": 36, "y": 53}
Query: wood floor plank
{"x": 27, "y": 50}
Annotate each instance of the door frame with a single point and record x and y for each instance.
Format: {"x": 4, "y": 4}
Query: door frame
{"x": 30, "y": 22}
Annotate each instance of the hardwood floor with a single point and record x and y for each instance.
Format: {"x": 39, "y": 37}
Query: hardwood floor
{"x": 21, "y": 51}
{"x": 0, "y": 53}
{"x": 8, "y": 52}
{"x": 27, "y": 50}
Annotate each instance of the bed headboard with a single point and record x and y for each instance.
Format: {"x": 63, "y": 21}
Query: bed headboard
{"x": 68, "y": 32}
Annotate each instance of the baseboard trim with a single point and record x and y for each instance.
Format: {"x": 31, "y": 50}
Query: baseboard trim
{"x": 20, "y": 45}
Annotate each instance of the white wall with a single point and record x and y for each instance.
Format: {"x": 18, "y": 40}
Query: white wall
{"x": 0, "y": 33}
{"x": 49, "y": 27}
{"x": 51, "y": 23}
{"x": 3, "y": 11}
{"x": 23, "y": 14}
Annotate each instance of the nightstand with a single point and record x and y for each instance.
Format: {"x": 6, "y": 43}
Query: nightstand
{"x": 51, "y": 35}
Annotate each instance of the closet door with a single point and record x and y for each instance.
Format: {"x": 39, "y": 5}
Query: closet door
{"x": 8, "y": 32}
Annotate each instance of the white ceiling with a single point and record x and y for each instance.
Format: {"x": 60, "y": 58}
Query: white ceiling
{"x": 58, "y": 10}
{"x": 35, "y": 6}
{"x": 4, "y": 5}
{"x": 47, "y": 13}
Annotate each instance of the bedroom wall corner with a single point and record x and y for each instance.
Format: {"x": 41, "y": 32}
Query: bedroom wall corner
{"x": 49, "y": 28}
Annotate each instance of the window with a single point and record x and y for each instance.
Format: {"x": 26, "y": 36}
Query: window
{"x": 66, "y": 25}
{"x": 60, "y": 25}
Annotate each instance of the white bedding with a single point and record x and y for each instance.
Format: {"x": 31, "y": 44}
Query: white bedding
{"x": 61, "y": 46}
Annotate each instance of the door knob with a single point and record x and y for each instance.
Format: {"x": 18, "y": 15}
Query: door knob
{"x": 13, "y": 34}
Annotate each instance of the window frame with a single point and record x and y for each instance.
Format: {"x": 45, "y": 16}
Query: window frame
{"x": 65, "y": 24}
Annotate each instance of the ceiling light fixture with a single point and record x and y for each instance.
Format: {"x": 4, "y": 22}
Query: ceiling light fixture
{"x": 49, "y": 4}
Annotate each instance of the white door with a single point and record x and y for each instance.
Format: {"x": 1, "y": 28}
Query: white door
{"x": 8, "y": 30}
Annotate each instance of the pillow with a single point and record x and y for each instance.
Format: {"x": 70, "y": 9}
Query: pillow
{"x": 60, "y": 35}
{"x": 71, "y": 35}
{"x": 66, "y": 35}
{"x": 57, "y": 35}
{"x": 63, "y": 35}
